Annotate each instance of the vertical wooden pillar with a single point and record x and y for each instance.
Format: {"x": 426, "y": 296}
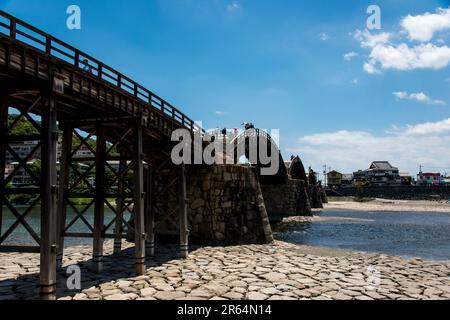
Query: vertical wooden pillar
{"x": 49, "y": 201}
{"x": 184, "y": 245}
{"x": 64, "y": 176}
{"x": 3, "y": 142}
{"x": 120, "y": 208}
{"x": 99, "y": 210}
{"x": 150, "y": 211}
{"x": 139, "y": 223}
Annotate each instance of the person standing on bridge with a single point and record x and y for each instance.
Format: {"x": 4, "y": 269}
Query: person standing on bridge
{"x": 86, "y": 66}
{"x": 248, "y": 125}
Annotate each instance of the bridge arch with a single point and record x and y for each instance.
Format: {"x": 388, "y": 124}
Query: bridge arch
{"x": 249, "y": 144}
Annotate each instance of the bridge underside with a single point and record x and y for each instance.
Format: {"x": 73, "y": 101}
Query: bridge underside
{"x": 127, "y": 153}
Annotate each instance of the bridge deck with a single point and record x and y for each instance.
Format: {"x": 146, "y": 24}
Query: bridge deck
{"x": 29, "y": 58}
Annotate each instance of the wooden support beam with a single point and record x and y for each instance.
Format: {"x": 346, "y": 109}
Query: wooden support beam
{"x": 139, "y": 223}
{"x": 150, "y": 211}
{"x": 99, "y": 210}
{"x": 184, "y": 232}
{"x": 49, "y": 201}
{"x": 64, "y": 176}
{"x": 120, "y": 207}
{"x": 4, "y": 106}
{"x": 20, "y": 249}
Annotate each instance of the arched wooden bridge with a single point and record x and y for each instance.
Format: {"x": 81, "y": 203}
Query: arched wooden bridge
{"x": 62, "y": 92}
{"x": 259, "y": 148}
{"x": 76, "y": 103}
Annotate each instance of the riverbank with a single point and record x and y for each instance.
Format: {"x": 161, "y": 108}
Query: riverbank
{"x": 255, "y": 272}
{"x": 383, "y": 205}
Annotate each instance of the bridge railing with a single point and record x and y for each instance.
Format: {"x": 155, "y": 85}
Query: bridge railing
{"x": 253, "y": 133}
{"x": 19, "y": 30}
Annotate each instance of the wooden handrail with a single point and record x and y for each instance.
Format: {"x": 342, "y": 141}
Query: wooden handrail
{"x": 82, "y": 60}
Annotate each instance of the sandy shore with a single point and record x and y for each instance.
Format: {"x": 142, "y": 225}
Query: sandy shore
{"x": 382, "y": 205}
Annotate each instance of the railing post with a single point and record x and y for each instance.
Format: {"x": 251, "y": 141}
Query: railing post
{"x": 12, "y": 28}
{"x": 100, "y": 70}
{"x": 49, "y": 202}
{"x": 77, "y": 59}
{"x": 48, "y": 45}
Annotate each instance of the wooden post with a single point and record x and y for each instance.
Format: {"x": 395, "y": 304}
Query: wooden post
{"x": 49, "y": 201}
{"x": 120, "y": 205}
{"x": 64, "y": 175}
{"x": 99, "y": 210}
{"x": 3, "y": 142}
{"x": 184, "y": 245}
{"x": 150, "y": 211}
{"x": 139, "y": 223}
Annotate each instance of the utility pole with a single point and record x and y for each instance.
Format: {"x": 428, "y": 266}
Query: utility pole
{"x": 325, "y": 177}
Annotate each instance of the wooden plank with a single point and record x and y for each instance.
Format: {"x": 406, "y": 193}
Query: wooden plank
{"x": 20, "y": 249}
{"x": 64, "y": 177}
{"x": 49, "y": 202}
{"x": 99, "y": 210}
{"x": 139, "y": 222}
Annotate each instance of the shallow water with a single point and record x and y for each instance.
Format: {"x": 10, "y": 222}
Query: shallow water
{"x": 20, "y": 236}
{"x": 407, "y": 234}
{"x": 425, "y": 235}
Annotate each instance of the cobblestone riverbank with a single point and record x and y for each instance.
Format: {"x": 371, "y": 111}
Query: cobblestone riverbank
{"x": 255, "y": 272}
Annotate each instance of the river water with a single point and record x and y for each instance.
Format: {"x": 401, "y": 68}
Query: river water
{"x": 407, "y": 234}
{"x": 21, "y": 237}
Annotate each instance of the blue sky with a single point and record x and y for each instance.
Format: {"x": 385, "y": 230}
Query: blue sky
{"x": 281, "y": 65}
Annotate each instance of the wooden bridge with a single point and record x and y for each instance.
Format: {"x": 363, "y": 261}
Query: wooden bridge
{"x": 75, "y": 102}
{"x": 63, "y": 91}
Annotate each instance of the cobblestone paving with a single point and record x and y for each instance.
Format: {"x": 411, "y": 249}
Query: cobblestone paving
{"x": 255, "y": 272}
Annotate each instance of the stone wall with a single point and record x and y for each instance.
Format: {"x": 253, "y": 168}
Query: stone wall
{"x": 226, "y": 206}
{"x": 396, "y": 193}
{"x": 286, "y": 200}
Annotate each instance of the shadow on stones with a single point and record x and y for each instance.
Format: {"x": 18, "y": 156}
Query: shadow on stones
{"x": 115, "y": 267}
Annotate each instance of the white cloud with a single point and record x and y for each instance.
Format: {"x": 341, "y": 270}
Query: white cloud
{"x": 406, "y": 147}
{"x": 400, "y": 94}
{"x": 355, "y": 81}
{"x": 423, "y": 27}
{"x": 402, "y": 57}
{"x": 419, "y": 96}
{"x": 369, "y": 40}
{"x": 233, "y": 7}
{"x": 223, "y": 113}
{"x": 429, "y": 128}
{"x": 370, "y": 67}
{"x": 393, "y": 51}
{"x": 349, "y": 56}
{"x": 323, "y": 36}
